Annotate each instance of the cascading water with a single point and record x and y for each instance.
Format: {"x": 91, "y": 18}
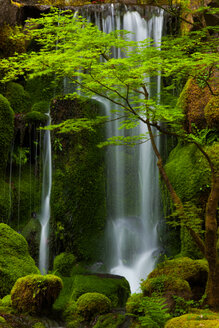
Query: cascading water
{"x": 45, "y": 201}
{"x": 132, "y": 178}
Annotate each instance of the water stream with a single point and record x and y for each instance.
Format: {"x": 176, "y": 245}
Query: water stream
{"x": 133, "y": 200}
{"x": 45, "y": 202}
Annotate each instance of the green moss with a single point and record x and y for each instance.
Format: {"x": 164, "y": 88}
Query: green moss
{"x": 5, "y": 202}
{"x": 63, "y": 264}
{"x": 187, "y": 276}
{"x": 164, "y": 283}
{"x": 31, "y": 233}
{"x": 191, "y": 320}
{"x": 35, "y": 293}
{"x": 41, "y": 106}
{"x": 26, "y": 196}
{"x": 110, "y": 320}
{"x": 6, "y": 301}
{"x": 91, "y": 304}
{"x": 188, "y": 171}
{"x": 183, "y": 267}
{"x": 212, "y": 112}
{"x": 18, "y": 98}
{"x": 6, "y": 131}
{"x": 2, "y": 320}
{"x": 116, "y": 289}
{"x": 79, "y": 178}
{"x": 62, "y": 302}
{"x": 36, "y": 117}
{"x": 15, "y": 260}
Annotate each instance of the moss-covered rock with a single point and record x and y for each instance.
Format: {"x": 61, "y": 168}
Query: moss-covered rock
{"x": 15, "y": 261}
{"x": 188, "y": 171}
{"x": 185, "y": 274}
{"x": 78, "y": 199}
{"x": 193, "y": 100}
{"x": 211, "y": 111}
{"x": 18, "y": 98}
{"x": 116, "y": 288}
{"x": 63, "y": 264}
{"x": 91, "y": 304}
{"x": 9, "y": 40}
{"x": 190, "y": 175}
{"x": 36, "y": 117}
{"x": 164, "y": 284}
{"x": 35, "y": 293}
{"x": 41, "y": 106}
{"x": 6, "y": 131}
{"x": 192, "y": 320}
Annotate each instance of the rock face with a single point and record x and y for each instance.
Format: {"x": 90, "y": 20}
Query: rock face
{"x": 9, "y": 13}
{"x": 15, "y": 261}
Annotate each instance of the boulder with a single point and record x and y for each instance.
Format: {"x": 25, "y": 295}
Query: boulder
{"x": 116, "y": 288}
{"x": 15, "y": 261}
{"x": 193, "y": 320}
{"x": 35, "y": 294}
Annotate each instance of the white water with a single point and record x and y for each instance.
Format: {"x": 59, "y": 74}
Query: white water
{"x": 132, "y": 177}
{"x": 45, "y": 202}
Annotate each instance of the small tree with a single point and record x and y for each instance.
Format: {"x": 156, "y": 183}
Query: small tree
{"x": 72, "y": 47}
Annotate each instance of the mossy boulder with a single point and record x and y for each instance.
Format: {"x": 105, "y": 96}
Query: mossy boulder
{"x": 188, "y": 276}
{"x": 166, "y": 284}
{"x": 18, "y": 97}
{"x": 211, "y": 111}
{"x": 188, "y": 171}
{"x": 15, "y": 261}
{"x": 36, "y": 294}
{"x": 116, "y": 288}
{"x": 40, "y": 106}
{"x": 91, "y": 304}
{"x": 6, "y": 130}
{"x": 192, "y": 320}
{"x": 36, "y": 117}
{"x": 64, "y": 263}
{"x": 193, "y": 100}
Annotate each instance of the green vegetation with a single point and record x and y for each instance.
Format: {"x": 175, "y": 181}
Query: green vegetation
{"x": 205, "y": 319}
{"x": 19, "y": 98}
{"x": 112, "y": 320}
{"x": 63, "y": 264}
{"x": 15, "y": 261}
{"x": 149, "y": 311}
{"x": 79, "y": 177}
{"x": 6, "y": 131}
{"x": 35, "y": 293}
{"x": 36, "y": 117}
{"x": 91, "y": 304}
{"x": 116, "y": 289}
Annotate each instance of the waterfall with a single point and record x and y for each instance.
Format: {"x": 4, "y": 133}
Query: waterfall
{"x": 45, "y": 201}
{"x": 133, "y": 201}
